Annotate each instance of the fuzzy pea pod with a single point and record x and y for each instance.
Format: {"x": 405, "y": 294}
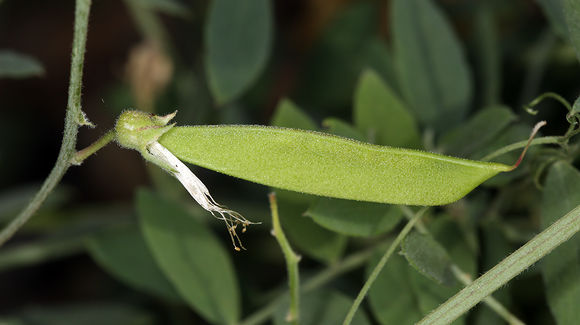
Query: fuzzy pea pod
{"x": 328, "y": 165}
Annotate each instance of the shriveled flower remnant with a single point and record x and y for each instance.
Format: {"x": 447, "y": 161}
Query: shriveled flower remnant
{"x": 141, "y": 131}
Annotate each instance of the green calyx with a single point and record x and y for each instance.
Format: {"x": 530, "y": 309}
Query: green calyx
{"x": 138, "y": 130}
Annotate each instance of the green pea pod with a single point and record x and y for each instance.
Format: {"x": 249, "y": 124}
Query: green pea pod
{"x": 328, "y": 165}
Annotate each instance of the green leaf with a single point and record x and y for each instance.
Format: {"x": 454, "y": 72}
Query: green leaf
{"x": 14, "y": 199}
{"x": 322, "y": 307}
{"x": 39, "y": 251}
{"x": 16, "y": 65}
{"x": 379, "y": 59}
{"x": 572, "y": 13}
{"x": 480, "y": 130}
{"x": 432, "y": 69}
{"x": 238, "y": 36}
{"x": 341, "y": 128}
{"x": 391, "y": 297}
{"x": 488, "y": 53}
{"x": 354, "y": 218}
{"x": 428, "y": 257}
{"x": 380, "y": 115}
{"x": 555, "y": 13}
{"x": 450, "y": 240}
{"x": 124, "y": 254}
{"x": 344, "y": 50}
{"x": 86, "y": 314}
{"x": 307, "y": 236}
{"x": 10, "y": 320}
{"x": 172, "y": 7}
{"x": 326, "y": 165}
{"x": 561, "y": 268}
{"x": 401, "y": 295}
{"x": 191, "y": 257}
{"x": 448, "y": 233}
{"x": 576, "y": 107}
{"x": 430, "y": 294}
{"x": 289, "y": 115}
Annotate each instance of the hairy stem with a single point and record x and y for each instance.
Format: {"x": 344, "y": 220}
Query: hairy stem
{"x": 542, "y": 244}
{"x": 74, "y": 117}
{"x": 292, "y": 260}
{"x": 81, "y": 155}
{"x": 377, "y": 270}
{"x": 490, "y": 301}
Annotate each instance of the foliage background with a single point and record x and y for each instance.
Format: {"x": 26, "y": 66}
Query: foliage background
{"x": 319, "y": 50}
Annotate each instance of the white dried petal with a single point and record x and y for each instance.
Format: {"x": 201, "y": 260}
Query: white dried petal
{"x": 199, "y": 191}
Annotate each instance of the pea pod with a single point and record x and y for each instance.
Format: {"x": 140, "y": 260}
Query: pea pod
{"x": 327, "y": 165}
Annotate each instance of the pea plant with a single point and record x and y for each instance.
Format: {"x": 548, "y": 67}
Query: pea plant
{"x": 433, "y": 203}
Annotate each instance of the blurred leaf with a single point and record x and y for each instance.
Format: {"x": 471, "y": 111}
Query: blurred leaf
{"x": 16, "y": 65}
{"x": 238, "y": 36}
{"x": 448, "y": 233}
{"x": 124, "y": 254}
{"x": 322, "y": 307}
{"x": 10, "y": 320}
{"x": 16, "y": 198}
{"x": 381, "y": 116}
{"x": 341, "y": 128}
{"x": 307, "y": 236}
{"x": 429, "y": 294}
{"x": 488, "y": 53}
{"x": 289, "y": 115}
{"x": 572, "y": 12}
{"x": 172, "y": 7}
{"x": 191, "y": 257}
{"x": 86, "y": 314}
{"x": 576, "y": 106}
{"x": 555, "y": 13}
{"x": 347, "y": 46}
{"x": 391, "y": 297}
{"x": 36, "y": 252}
{"x": 379, "y": 59}
{"x": 480, "y": 130}
{"x": 561, "y": 268}
{"x": 428, "y": 257}
{"x": 354, "y": 218}
{"x": 432, "y": 70}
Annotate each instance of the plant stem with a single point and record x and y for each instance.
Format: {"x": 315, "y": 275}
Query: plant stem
{"x": 537, "y": 100}
{"x": 292, "y": 260}
{"x": 81, "y": 155}
{"x": 491, "y": 302}
{"x": 74, "y": 117}
{"x": 522, "y": 144}
{"x": 542, "y": 244}
{"x": 348, "y": 264}
{"x": 377, "y": 270}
